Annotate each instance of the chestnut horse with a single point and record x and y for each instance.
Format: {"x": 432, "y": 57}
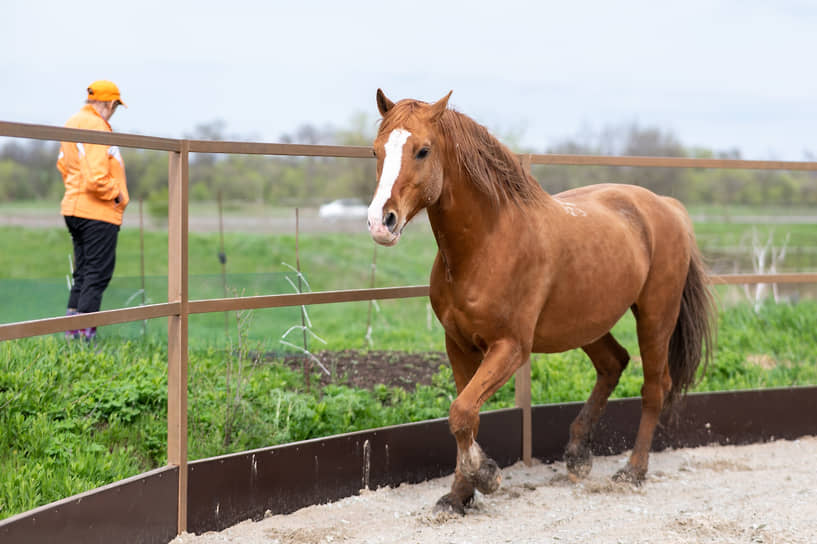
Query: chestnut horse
{"x": 520, "y": 271}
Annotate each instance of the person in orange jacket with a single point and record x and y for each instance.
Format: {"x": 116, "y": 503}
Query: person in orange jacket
{"x": 96, "y": 195}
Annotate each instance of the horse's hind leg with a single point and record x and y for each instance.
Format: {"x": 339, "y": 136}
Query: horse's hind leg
{"x": 653, "y": 340}
{"x": 610, "y": 360}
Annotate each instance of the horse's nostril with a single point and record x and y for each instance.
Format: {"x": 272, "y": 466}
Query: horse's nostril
{"x": 390, "y": 221}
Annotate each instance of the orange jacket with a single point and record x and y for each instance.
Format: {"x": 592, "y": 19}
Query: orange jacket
{"x": 93, "y": 174}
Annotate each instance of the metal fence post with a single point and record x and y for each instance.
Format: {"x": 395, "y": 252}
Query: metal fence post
{"x": 177, "y": 291}
{"x": 522, "y": 382}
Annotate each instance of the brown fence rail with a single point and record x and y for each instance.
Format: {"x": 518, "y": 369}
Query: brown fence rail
{"x": 179, "y": 307}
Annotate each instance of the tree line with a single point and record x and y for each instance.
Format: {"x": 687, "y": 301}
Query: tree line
{"x": 28, "y": 172}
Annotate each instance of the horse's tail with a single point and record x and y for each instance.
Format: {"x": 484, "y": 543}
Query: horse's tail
{"x": 693, "y": 338}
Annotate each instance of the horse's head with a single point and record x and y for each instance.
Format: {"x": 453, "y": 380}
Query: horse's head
{"x": 409, "y": 164}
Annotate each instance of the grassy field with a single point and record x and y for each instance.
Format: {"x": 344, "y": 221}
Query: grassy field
{"x": 35, "y": 285}
{"x": 33, "y": 280}
{"x": 73, "y": 417}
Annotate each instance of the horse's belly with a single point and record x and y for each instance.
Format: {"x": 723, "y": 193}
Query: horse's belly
{"x": 556, "y": 338}
{"x": 568, "y": 323}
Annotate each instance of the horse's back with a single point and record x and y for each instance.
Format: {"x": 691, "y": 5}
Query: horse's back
{"x": 640, "y": 207}
{"x": 619, "y": 194}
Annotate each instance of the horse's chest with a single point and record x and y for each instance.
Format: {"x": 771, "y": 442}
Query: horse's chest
{"x": 471, "y": 316}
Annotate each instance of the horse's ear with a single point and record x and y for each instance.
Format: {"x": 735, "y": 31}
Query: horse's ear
{"x": 438, "y": 107}
{"x": 383, "y": 103}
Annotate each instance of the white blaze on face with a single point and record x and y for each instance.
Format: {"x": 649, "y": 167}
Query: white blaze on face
{"x": 391, "y": 170}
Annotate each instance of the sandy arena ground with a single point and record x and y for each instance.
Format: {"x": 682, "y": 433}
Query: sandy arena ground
{"x": 760, "y": 493}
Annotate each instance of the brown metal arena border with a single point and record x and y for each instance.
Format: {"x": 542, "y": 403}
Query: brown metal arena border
{"x": 212, "y": 494}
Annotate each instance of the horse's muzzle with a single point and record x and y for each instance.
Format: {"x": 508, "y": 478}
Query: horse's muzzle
{"x": 386, "y": 232}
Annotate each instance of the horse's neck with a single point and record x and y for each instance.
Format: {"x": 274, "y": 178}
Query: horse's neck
{"x": 455, "y": 217}
{"x": 466, "y": 222}
{"x": 464, "y": 219}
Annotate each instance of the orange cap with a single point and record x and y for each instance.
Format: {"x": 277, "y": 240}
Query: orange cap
{"x": 104, "y": 91}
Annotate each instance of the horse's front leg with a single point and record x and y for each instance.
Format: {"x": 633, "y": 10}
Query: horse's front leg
{"x": 464, "y": 364}
{"x": 474, "y": 468}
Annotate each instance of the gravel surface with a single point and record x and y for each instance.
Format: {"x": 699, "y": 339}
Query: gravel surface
{"x": 764, "y": 493}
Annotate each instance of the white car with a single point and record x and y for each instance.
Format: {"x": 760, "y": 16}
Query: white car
{"x": 344, "y": 208}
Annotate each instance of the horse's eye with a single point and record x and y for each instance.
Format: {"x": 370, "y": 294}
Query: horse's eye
{"x": 374, "y": 153}
{"x": 422, "y": 153}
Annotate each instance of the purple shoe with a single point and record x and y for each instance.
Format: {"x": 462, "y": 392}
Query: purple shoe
{"x": 73, "y": 334}
{"x": 89, "y": 334}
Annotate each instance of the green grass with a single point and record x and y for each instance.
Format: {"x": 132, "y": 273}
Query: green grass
{"x": 710, "y": 234}
{"x": 35, "y": 286}
{"x": 71, "y": 419}
{"x": 332, "y": 261}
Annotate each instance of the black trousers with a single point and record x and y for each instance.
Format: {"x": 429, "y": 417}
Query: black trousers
{"x": 94, "y": 259}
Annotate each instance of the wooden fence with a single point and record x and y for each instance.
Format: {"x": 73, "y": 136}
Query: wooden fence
{"x": 178, "y": 307}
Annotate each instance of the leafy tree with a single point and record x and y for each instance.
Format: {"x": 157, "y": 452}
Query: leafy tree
{"x": 14, "y": 181}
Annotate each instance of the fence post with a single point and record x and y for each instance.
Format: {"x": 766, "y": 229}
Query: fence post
{"x": 522, "y": 381}
{"x": 177, "y": 291}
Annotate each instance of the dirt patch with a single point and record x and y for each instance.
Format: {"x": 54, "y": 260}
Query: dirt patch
{"x": 366, "y": 369}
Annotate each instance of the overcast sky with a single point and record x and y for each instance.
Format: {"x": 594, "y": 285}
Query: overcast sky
{"x": 720, "y": 74}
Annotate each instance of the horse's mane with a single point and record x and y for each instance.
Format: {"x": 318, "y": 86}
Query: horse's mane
{"x": 492, "y": 167}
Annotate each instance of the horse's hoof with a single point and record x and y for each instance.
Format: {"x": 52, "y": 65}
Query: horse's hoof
{"x": 449, "y": 504}
{"x": 578, "y": 463}
{"x": 630, "y": 475}
{"x": 488, "y": 477}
